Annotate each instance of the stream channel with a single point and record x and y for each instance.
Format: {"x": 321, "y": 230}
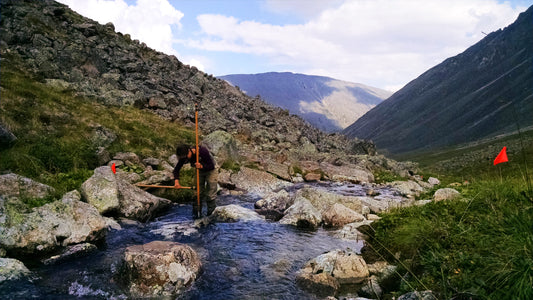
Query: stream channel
{"x": 241, "y": 260}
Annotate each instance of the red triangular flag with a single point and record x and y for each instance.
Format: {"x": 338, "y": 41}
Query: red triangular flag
{"x": 113, "y": 168}
{"x": 502, "y": 157}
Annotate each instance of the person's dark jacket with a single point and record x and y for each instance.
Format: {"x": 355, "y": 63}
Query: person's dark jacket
{"x": 205, "y": 158}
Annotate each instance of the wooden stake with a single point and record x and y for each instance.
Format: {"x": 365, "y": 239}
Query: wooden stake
{"x": 197, "y": 160}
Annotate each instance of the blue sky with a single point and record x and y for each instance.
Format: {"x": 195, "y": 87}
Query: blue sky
{"x": 381, "y": 43}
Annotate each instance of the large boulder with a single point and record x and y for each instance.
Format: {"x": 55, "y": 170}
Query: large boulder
{"x": 159, "y": 269}
{"x": 257, "y": 182}
{"x": 112, "y": 194}
{"x": 13, "y": 185}
{"x": 331, "y": 270}
{"x": 339, "y": 215}
{"x": 138, "y": 204}
{"x": 222, "y": 145}
{"x": 52, "y": 226}
{"x": 302, "y": 214}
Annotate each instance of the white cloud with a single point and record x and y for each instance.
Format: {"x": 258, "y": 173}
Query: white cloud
{"x": 377, "y": 42}
{"x": 149, "y": 21}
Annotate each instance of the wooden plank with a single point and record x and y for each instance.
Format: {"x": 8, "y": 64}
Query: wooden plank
{"x": 162, "y": 186}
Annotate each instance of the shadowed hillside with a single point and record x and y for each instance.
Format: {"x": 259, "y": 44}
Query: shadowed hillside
{"x": 482, "y": 92}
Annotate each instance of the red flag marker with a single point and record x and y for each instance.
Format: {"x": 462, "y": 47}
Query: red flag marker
{"x": 114, "y": 168}
{"x": 502, "y": 157}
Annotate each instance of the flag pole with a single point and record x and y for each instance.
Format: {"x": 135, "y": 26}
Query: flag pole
{"x": 197, "y": 160}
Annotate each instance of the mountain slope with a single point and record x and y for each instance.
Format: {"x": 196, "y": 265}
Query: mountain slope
{"x": 68, "y": 51}
{"x": 326, "y": 103}
{"x": 465, "y": 98}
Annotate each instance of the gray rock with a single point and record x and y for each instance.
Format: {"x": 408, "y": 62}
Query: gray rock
{"x": 433, "y": 181}
{"x": 322, "y": 200}
{"x": 446, "y": 194}
{"x": 273, "y": 206}
{"x": 257, "y": 182}
{"x": 159, "y": 269}
{"x": 331, "y": 270}
{"x": 52, "y": 226}
{"x": 13, "y": 185}
{"x": 302, "y": 214}
{"x": 12, "y": 269}
{"x": 222, "y": 145}
{"x": 234, "y": 213}
{"x": 113, "y": 194}
{"x": 339, "y": 215}
{"x": 101, "y": 190}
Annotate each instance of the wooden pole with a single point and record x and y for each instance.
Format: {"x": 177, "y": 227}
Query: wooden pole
{"x": 197, "y": 160}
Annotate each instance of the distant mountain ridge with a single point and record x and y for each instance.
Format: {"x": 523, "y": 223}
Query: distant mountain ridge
{"x": 328, "y": 104}
{"x": 480, "y": 93}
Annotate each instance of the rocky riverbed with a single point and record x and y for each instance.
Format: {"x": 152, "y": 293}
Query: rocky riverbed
{"x": 273, "y": 237}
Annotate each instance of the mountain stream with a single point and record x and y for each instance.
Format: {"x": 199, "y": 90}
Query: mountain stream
{"x": 241, "y": 260}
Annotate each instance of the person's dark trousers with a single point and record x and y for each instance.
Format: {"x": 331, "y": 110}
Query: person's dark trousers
{"x": 208, "y": 192}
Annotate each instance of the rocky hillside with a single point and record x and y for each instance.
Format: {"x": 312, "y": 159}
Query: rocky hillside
{"x": 328, "y": 104}
{"x": 72, "y": 52}
{"x": 482, "y": 92}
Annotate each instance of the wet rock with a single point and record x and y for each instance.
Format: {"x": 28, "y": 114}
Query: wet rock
{"x": 446, "y": 194}
{"x": 331, "y": 270}
{"x": 322, "y": 200}
{"x": 159, "y": 269}
{"x": 12, "y": 269}
{"x": 71, "y": 252}
{"x": 52, "y": 226}
{"x": 234, "y": 213}
{"x": 273, "y": 206}
{"x": 302, "y": 214}
{"x": 339, "y": 215}
{"x": 13, "y": 185}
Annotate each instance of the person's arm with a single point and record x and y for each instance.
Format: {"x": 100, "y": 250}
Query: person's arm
{"x": 176, "y": 171}
{"x": 207, "y": 162}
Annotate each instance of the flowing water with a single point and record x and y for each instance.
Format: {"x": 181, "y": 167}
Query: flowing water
{"x": 241, "y": 260}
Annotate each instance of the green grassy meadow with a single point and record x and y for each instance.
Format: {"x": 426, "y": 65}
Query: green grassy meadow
{"x": 478, "y": 247}
{"x": 55, "y": 131}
